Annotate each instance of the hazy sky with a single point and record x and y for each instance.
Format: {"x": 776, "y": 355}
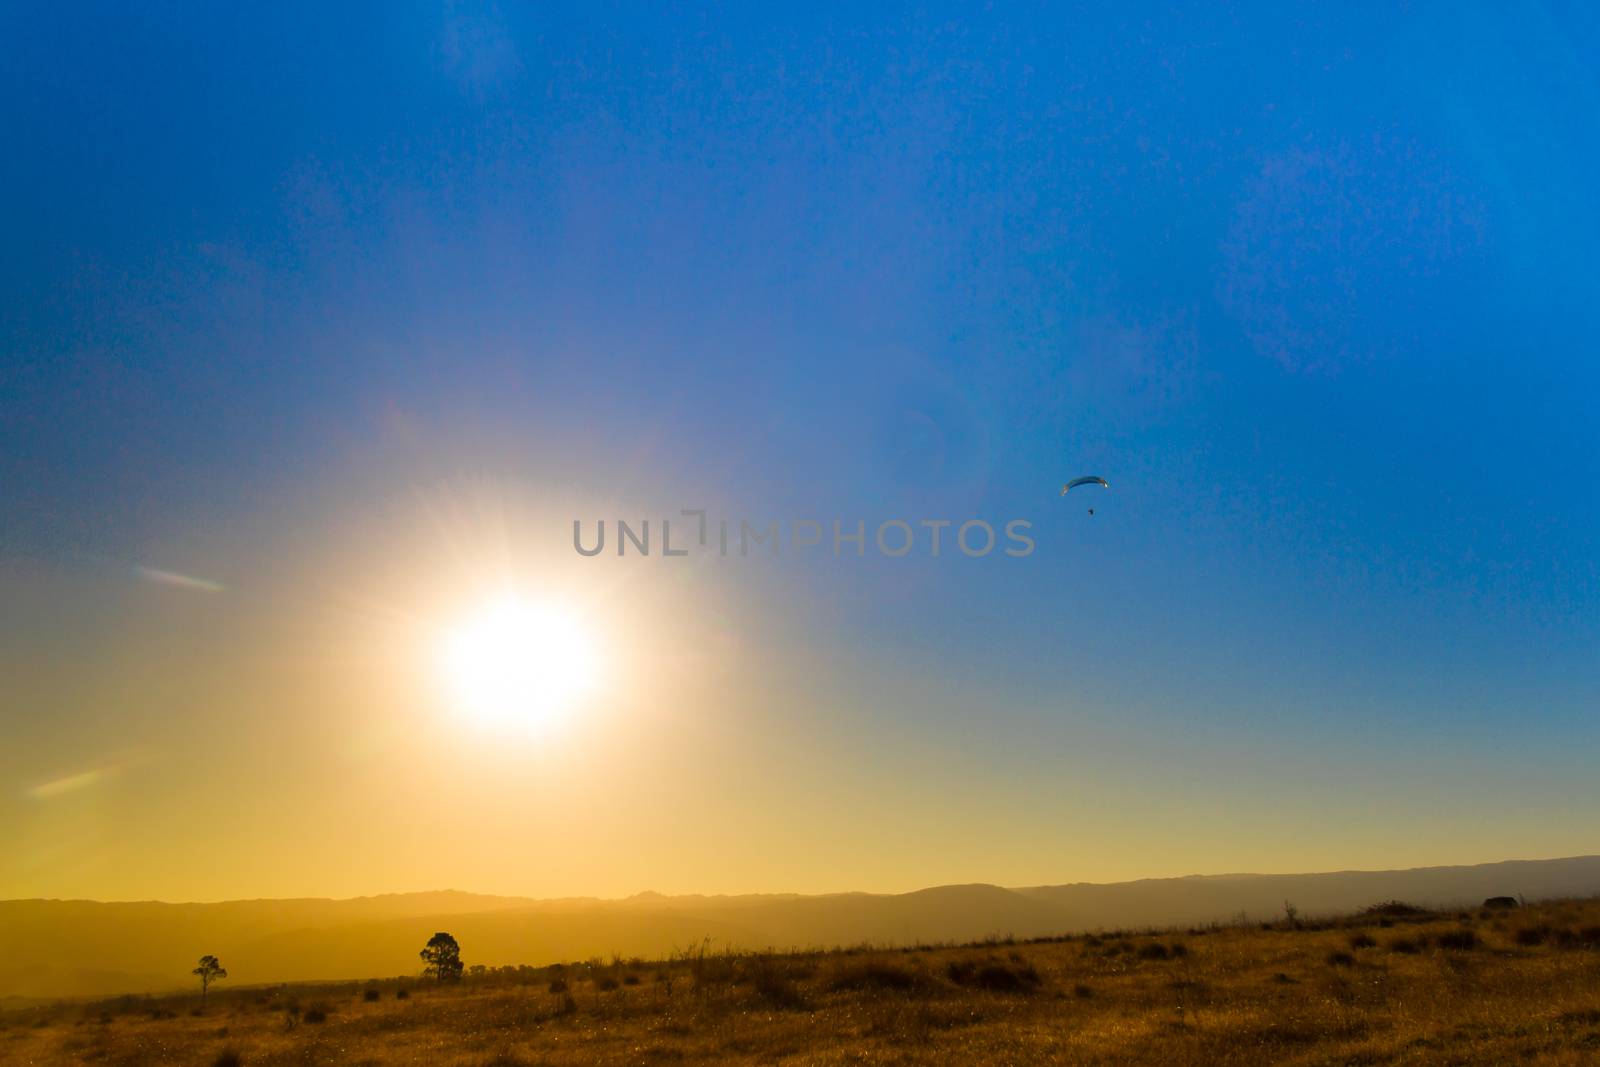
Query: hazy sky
{"x": 349, "y": 312}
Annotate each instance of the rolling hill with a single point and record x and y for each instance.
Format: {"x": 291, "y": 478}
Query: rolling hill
{"x": 62, "y": 948}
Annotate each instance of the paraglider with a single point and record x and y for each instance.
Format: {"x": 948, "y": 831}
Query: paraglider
{"x": 1092, "y": 479}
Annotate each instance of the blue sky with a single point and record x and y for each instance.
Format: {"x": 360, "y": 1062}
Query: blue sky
{"x": 1312, "y": 286}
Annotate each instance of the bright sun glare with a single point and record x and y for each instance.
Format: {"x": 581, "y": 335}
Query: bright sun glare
{"x": 519, "y": 665}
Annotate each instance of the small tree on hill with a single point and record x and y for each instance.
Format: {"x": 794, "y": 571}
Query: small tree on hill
{"x": 210, "y": 970}
{"x": 442, "y": 958}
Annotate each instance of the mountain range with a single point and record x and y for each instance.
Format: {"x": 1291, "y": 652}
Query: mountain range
{"x": 67, "y": 948}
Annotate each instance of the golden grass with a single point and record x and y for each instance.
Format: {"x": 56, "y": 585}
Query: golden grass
{"x": 1526, "y": 990}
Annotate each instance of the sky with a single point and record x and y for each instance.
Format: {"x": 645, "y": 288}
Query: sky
{"x": 321, "y": 326}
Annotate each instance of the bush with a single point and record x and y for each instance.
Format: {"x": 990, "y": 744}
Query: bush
{"x": 1395, "y": 909}
{"x": 1341, "y": 959}
{"x": 317, "y": 1013}
{"x": 370, "y": 995}
{"x": 630, "y": 979}
{"x": 558, "y": 985}
{"x": 1082, "y": 992}
{"x": 1405, "y": 945}
{"x": 1529, "y": 936}
{"x": 994, "y": 977}
{"x": 402, "y": 993}
{"x": 1153, "y": 951}
{"x": 1458, "y": 940}
{"x": 876, "y": 975}
{"x": 605, "y": 983}
{"x": 777, "y": 990}
{"x": 1362, "y": 940}
{"x": 227, "y": 1058}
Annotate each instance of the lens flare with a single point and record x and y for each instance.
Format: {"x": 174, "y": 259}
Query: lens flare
{"x": 178, "y": 581}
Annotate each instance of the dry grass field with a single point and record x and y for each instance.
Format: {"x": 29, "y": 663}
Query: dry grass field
{"x": 1387, "y": 986}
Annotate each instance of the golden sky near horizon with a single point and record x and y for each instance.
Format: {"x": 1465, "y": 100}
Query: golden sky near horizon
{"x": 295, "y": 733}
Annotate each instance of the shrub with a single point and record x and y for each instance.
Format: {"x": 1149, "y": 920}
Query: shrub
{"x": 1341, "y": 959}
{"x": 1155, "y": 950}
{"x": 1178, "y": 949}
{"x": 1362, "y": 940}
{"x": 227, "y": 1058}
{"x": 1405, "y": 945}
{"x": 317, "y": 1013}
{"x": 961, "y": 971}
{"x": 558, "y": 985}
{"x": 605, "y": 983}
{"x": 1529, "y": 936}
{"x": 1395, "y": 909}
{"x": 777, "y": 990}
{"x": 370, "y": 995}
{"x": 1459, "y": 940}
{"x": 772, "y": 978}
{"x": 1000, "y": 979}
{"x": 630, "y": 979}
{"x": 1082, "y": 992}
{"x": 994, "y": 977}
{"x": 402, "y": 993}
{"x": 878, "y": 975}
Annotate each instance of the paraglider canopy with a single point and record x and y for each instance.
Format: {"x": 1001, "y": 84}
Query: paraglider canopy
{"x": 1089, "y": 480}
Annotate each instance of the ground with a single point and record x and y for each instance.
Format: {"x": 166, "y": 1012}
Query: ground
{"x": 1388, "y": 986}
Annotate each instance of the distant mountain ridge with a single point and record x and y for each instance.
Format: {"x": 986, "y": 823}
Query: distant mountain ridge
{"x": 54, "y": 948}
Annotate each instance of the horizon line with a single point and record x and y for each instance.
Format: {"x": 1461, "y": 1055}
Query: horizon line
{"x": 793, "y": 893}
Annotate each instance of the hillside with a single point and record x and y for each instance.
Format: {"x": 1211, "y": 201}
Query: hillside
{"x": 79, "y": 948}
{"x": 1473, "y": 986}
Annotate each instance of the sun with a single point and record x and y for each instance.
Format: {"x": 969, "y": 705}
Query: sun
{"x": 519, "y": 665}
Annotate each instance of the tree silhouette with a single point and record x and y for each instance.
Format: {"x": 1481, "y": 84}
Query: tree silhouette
{"x": 210, "y": 970}
{"x": 442, "y": 958}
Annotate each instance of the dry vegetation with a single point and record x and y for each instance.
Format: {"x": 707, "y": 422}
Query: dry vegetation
{"x": 1389, "y": 986}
